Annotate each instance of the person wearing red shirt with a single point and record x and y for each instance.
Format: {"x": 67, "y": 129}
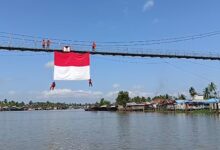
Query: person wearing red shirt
{"x": 53, "y": 85}
{"x": 93, "y": 46}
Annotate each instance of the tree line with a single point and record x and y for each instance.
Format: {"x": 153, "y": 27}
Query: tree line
{"x": 123, "y": 96}
{"x": 37, "y": 105}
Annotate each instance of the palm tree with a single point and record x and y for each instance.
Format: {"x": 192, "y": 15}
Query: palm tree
{"x": 182, "y": 97}
{"x": 192, "y": 92}
{"x": 206, "y": 93}
{"x": 212, "y": 88}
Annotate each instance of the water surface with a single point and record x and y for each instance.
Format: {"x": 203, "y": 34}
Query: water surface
{"x": 80, "y": 130}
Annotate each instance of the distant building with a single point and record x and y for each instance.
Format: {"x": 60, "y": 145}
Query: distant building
{"x": 180, "y": 104}
{"x": 135, "y": 107}
{"x": 198, "y": 97}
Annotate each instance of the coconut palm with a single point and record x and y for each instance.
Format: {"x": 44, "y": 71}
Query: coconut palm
{"x": 212, "y": 88}
{"x": 182, "y": 97}
{"x": 192, "y": 92}
{"x": 206, "y": 93}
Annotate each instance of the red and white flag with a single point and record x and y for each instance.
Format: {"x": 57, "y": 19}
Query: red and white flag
{"x": 71, "y": 66}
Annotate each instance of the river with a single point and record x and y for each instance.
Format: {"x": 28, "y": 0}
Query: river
{"x": 80, "y": 130}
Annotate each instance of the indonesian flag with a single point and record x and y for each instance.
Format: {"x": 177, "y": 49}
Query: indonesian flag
{"x": 71, "y": 66}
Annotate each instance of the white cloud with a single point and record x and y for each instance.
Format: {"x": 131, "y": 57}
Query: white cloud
{"x": 116, "y": 85}
{"x": 139, "y": 93}
{"x": 49, "y": 64}
{"x": 68, "y": 93}
{"x": 111, "y": 95}
{"x": 148, "y": 5}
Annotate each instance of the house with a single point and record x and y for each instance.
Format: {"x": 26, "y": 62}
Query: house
{"x": 180, "y": 104}
{"x": 214, "y": 103}
{"x": 197, "y": 104}
{"x": 191, "y": 104}
{"x": 161, "y": 103}
{"x": 5, "y": 108}
{"x": 112, "y": 108}
{"x": 198, "y": 97}
{"x": 135, "y": 106}
{"x": 121, "y": 108}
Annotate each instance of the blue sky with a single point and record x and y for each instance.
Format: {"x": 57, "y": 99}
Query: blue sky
{"x": 27, "y": 76}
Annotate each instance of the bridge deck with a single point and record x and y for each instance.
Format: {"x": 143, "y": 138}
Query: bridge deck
{"x": 152, "y": 55}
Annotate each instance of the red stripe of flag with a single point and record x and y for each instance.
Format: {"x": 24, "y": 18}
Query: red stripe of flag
{"x": 71, "y": 59}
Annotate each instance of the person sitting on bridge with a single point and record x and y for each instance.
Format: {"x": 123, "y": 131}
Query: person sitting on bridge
{"x": 90, "y": 82}
{"x": 43, "y": 43}
{"x": 53, "y": 85}
{"x": 93, "y": 46}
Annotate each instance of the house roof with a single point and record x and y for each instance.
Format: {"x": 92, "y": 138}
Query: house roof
{"x": 134, "y": 104}
{"x": 212, "y": 100}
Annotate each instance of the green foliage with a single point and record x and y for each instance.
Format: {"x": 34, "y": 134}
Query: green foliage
{"x": 182, "y": 97}
{"x": 30, "y": 102}
{"x": 122, "y": 98}
{"x": 166, "y": 96}
{"x": 210, "y": 91}
{"x": 206, "y": 93}
{"x": 148, "y": 99}
{"x": 36, "y": 105}
{"x": 104, "y": 102}
{"x": 138, "y": 99}
{"x": 212, "y": 88}
{"x": 192, "y": 92}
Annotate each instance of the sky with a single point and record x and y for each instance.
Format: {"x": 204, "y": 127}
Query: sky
{"x": 27, "y": 76}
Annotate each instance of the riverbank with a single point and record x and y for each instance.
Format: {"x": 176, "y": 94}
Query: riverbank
{"x": 204, "y": 111}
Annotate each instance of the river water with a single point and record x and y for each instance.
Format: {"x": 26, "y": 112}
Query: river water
{"x": 80, "y": 130}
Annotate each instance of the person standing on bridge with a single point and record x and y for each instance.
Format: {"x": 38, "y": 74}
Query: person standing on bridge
{"x": 43, "y": 43}
{"x": 48, "y": 43}
{"x": 93, "y": 46}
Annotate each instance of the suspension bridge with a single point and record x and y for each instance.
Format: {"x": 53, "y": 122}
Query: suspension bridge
{"x": 18, "y": 42}
{"x": 140, "y": 54}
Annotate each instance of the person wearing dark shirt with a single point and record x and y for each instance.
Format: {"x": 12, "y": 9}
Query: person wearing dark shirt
{"x": 90, "y": 82}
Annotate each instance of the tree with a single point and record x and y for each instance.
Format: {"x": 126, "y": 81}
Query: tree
{"x": 143, "y": 99}
{"x": 22, "y": 104}
{"x": 212, "y": 89}
{"x": 104, "y": 102}
{"x": 5, "y": 101}
{"x": 30, "y": 102}
{"x": 192, "y": 92}
{"x": 206, "y": 93}
{"x": 122, "y": 98}
{"x": 148, "y": 99}
{"x": 182, "y": 97}
{"x": 166, "y": 96}
{"x": 138, "y": 99}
